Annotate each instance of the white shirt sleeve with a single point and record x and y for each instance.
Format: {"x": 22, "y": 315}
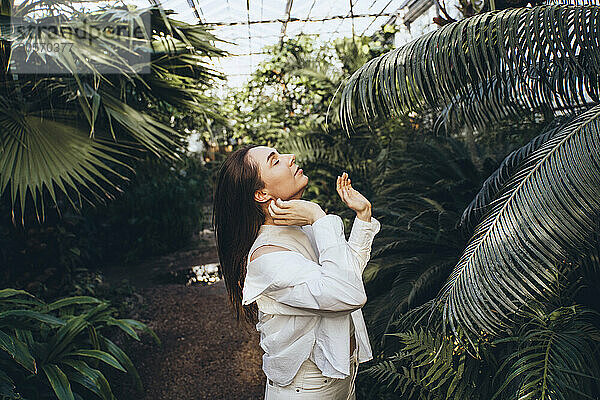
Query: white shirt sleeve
{"x": 361, "y": 238}
{"x": 332, "y": 285}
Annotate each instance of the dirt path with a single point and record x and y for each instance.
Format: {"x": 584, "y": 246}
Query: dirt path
{"x": 204, "y": 353}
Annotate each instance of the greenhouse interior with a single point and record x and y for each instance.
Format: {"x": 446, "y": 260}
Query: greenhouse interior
{"x": 300, "y": 199}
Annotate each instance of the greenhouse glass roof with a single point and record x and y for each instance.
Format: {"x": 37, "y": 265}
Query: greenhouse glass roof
{"x": 250, "y": 25}
{"x": 253, "y": 24}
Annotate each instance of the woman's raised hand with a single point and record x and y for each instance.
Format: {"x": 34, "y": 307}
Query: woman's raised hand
{"x": 294, "y": 212}
{"x": 352, "y": 197}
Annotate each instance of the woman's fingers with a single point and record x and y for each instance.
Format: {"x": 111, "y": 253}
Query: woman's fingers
{"x": 275, "y": 209}
{"x": 282, "y": 212}
{"x": 339, "y": 185}
{"x": 342, "y": 180}
{"x": 346, "y": 182}
{"x": 270, "y": 208}
{"x": 282, "y": 204}
{"x": 343, "y": 187}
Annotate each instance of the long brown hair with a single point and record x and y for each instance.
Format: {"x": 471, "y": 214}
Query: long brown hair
{"x": 237, "y": 218}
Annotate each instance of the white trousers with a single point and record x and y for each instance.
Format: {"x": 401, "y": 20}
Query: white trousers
{"x": 310, "y": 384}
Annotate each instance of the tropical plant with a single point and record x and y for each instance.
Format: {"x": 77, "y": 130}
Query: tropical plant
{"x": 293, "y": 91}
{"x": 555, "y": 356}
{"x": 497, "y": 64}
{"x": 76, "y": 132}
{"x": 549, "y": 149}
{"x": 533, "y": 224}
{"x": 159, "y": 212}
{"x": 421, "y": 190}
{"x": 60, "y": 347}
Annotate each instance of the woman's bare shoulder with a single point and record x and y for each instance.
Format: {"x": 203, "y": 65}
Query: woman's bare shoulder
{"x": 266, "y": 249}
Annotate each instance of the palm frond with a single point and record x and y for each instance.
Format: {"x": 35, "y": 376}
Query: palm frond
{"x": 543, "y": 216}
{"x": 486, "y": 68}
{"x": 431, "y": 366}
{"x": 493, "y": 184}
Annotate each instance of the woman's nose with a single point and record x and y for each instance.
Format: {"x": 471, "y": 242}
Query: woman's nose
{"x": 292, "y": 159}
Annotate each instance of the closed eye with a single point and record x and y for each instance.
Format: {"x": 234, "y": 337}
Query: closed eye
{"x": 275, "y": 162}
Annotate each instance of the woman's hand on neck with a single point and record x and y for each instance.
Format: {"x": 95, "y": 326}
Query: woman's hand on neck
{"x": 268, "y": 218}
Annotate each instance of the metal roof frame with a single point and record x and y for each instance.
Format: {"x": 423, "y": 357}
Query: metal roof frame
{"x": 269, "y": 22}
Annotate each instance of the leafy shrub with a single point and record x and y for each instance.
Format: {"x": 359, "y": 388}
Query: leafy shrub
{"x": 59, "y": 349}
{"x": 158, "y": 213}
{"x": 40, "y": 257}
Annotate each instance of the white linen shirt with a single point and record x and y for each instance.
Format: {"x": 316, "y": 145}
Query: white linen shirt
{"x": 306, "y": 297}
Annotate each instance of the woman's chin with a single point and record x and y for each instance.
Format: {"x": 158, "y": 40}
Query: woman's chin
{"x": 303, "y": 188}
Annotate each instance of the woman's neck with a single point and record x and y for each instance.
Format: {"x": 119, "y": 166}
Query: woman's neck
{"x": 268, "y": 219}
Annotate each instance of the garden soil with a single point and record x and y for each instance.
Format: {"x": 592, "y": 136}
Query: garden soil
{"x": 204, "y": 354}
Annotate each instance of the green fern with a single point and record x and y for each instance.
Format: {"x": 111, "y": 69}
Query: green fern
{"x": 556, "y": 357}
{"x": 430, "y": 366}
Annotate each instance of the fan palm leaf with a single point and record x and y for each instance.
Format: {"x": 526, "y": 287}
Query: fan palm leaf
{"x": 35, "y": 151}
{"x": 485, "y": 68}
{"x": 77, "y": 132}
{"x": 544, "y": 215}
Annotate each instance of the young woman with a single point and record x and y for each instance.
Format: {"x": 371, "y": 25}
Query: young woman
{"x": 288, "y": 269}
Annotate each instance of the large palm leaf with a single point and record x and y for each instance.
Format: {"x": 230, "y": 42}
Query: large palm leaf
{"x": 486, "y": 67}
{"x": 481, "y": 204}
{"x": 76, "y": 133}
{"x": 541, "y": 208}
{"x": 544, "y": 215}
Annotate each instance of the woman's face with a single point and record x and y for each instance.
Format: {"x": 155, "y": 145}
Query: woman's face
{"x": 282, "y": 177}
